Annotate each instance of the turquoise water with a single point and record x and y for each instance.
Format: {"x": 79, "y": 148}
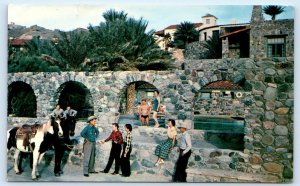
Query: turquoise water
{"x": 218, "y": 124}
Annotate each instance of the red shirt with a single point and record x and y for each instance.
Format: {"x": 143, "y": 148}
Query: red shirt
{"x": 116, "y": 137}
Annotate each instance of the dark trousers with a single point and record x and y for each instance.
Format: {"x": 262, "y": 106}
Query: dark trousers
{"x": 114, "y": 155}
{"x": 180, "y": 173}
{"x": 125, "y": 162}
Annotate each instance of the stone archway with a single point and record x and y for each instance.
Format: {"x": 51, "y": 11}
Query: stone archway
{"x": 21, "y": 100}
{"x": 76, "y": 95}
{"x": 132, "y": 94}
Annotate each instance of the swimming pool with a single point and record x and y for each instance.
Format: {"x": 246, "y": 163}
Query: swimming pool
{"x": 219, "y": 124}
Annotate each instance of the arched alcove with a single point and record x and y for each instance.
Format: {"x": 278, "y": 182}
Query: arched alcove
{"x": 132, "y": 94}
{"x": 21, "y": 100}
{"x": 76, "y": 95}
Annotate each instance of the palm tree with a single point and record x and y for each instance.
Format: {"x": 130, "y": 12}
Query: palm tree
{"x": 72, "y": 48}
{"x": 122, "y": 43}
{"x": 273, "y": 10}
{"x": 185, "y": 33}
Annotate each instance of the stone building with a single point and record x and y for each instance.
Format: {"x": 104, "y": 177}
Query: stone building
{"x": 254, "y": 94}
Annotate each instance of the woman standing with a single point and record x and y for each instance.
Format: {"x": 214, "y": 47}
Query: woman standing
{"x": 125, "y": 158}
{"x": 164, "y": 148}
{"x": 116, "y": 138}
{"x": 156, "y": 103}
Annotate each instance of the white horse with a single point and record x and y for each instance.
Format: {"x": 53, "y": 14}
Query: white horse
{"x": 37, "y": 144}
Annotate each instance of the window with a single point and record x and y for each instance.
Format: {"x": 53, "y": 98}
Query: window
{"x": 207, "y": 21}
{"x": 205, "y": 36}
{"x": 276, "y": 47}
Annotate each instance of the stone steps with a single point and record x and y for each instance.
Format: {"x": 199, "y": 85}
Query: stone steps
{"x": 214, "y": 175}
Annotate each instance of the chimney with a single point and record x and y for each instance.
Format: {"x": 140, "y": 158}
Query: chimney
{"x": 257, "y": 14}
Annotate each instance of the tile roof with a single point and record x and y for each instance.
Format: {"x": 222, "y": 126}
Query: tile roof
{"x": 209, "y": 15}
{"x": 19, "y": 42}
{"x": 235, "y": 32}
{"x": 175, "y": 26}
{"x": 160, "y": 32}
{"x": 223, "y": 85}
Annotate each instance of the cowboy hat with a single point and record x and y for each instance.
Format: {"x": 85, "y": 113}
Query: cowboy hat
{"x": 183, "y": 125}
{"x": 91, "y": 118}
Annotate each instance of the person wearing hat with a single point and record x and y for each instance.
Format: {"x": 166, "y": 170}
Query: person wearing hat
{"x": 184, "y": 149}
{"x": 90, "y": 133}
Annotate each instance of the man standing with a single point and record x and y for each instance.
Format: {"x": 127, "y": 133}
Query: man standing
{"x": 90, "y": 133}
{"x": 70, "y": 112}
{"x": 184, "y": 149}
{"x": 58, "y": 112}
{"x": 69, "y": 123}
{"x": 144, "y": 113}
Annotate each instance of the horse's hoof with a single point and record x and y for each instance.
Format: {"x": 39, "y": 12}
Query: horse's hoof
{"x": 38, "y": 176}
{"x": 57, "y": 174}
{"x": 34, "y": 179}
{"x": 19, "y": 173}
{"x": 61, "y": 172}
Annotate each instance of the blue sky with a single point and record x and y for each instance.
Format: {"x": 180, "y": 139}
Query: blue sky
{"x": 159, "y": 16}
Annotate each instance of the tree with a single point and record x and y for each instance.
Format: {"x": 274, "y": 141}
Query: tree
{"x": 72, "y": 48}
{"x": 273, "y": 10}
{"x": 214, "y": 47}
{"x": 122, "y": 43}
{"x": 32, "y": 57}
{"x": 185, "y": 33}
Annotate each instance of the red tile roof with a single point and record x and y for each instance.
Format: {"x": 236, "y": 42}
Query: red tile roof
{"x": 235, "y": 32}
{"x": 175, "y": 26}
{"x": 160, "y": 32}
{"x": 19, "y": 42}
{"x": 172, "y": 27}
{"x": 223, "y": 85}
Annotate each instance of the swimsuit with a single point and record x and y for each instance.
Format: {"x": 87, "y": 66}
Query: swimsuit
{"x": 155, "y": 104}
{"x": 145, "y": 116}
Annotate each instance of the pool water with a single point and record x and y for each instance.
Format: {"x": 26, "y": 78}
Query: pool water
{"x": 219, "y": 124}
{"x": 223, "y": 132}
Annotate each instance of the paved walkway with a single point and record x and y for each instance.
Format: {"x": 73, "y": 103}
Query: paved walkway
{"x": 73, "y": 173}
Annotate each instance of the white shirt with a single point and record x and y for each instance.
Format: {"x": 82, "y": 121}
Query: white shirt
{"x": 185, "y": 142}
{"x": 70, "y": 112}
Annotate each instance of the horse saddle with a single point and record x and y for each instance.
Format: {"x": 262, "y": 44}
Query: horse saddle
{"x": 26, "y": 132}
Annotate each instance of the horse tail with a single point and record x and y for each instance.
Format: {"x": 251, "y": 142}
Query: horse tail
{"x": 11, "y": 138}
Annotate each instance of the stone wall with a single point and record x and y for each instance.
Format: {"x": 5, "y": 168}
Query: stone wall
{"x": 194, "y": 51}
{"x": 259, "y": 31}
{"x": 269, "y": 90}
{"x": 269, "y": 93}
{"x": 269, "y": 124}
{"x": 107, "y": 89}
{"x": 218, "y": 104}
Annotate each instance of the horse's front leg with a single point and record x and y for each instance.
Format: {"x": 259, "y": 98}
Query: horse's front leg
{"x": 40, "y": 158}
{"x": 59, "y": 152}
{"x": 34, "y": 164}
{"x": 41, "y": 155}
{"x": 16, "y": 162}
